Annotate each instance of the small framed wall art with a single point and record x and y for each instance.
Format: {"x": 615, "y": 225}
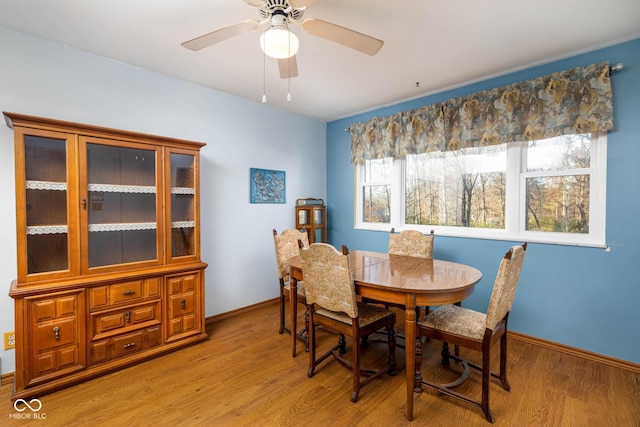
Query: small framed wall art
{"x": 267, "y": 186}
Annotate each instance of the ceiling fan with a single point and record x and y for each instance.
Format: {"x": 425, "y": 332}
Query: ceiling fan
{"x": 279, "y": 13}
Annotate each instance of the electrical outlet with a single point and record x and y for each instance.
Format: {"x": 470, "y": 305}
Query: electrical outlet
{"x": 9, "y": 340}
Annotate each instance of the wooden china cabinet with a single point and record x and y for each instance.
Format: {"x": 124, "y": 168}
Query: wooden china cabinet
{"x": 311, "y": 217}
{"x": 108, "y": 241}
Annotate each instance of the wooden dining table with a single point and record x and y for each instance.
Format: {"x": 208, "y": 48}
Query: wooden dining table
{"x": 408, "y": 281}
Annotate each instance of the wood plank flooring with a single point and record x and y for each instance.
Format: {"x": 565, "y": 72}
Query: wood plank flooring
{"x": 244, "y": 376}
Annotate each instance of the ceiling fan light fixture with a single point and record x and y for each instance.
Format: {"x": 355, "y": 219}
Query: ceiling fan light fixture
{"x": 279, "y": 43}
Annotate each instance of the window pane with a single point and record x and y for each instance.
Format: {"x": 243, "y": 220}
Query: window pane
{"x": 559, "y": 153}
{"x": 378, "y": 170}
{"x": 558, "y": 204}
{"x": 377, "y": 203}
{"x": 465, "y": 188}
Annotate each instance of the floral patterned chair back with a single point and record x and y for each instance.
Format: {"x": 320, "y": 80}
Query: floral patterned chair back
{"x": 504, "y": 287}
{"x": 411, "y": 243}
{"x": 286, "y": 245}
{"x": 328, "y": 280}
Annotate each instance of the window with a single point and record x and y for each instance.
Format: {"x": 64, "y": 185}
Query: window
{"x": 550, "y": 190}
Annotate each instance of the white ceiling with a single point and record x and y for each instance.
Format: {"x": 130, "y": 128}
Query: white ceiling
{"x": 439, "y": 43}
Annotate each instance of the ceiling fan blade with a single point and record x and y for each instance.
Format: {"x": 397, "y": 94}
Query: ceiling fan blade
{"x": 221, "y": 34}
{"x": 255, "y": 3}
{"x": 288, "y": 67}
{"x": 299, "y": 4}
{"x": 341, "y": 35}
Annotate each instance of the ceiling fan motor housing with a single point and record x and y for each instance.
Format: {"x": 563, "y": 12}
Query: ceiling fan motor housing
{"x": 279, "y": 7}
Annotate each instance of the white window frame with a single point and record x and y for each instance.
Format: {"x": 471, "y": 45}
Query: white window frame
{"x": 516, "y": 202}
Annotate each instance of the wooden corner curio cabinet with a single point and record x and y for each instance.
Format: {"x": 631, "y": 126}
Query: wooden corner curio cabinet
{"x": 311, "y": 217}
{"x": 108, "y": 241}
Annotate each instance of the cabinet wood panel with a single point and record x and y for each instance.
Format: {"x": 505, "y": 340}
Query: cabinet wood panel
{"x": 183, "y": 305}
{"x": 55, "y": 333}
{"x": 55, "y": 336}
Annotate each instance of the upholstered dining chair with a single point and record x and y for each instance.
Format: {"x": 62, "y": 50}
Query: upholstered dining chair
{"x": 286, "y": 245}
{"x": 332, "y": 304}
{"x": 475, "y": 330}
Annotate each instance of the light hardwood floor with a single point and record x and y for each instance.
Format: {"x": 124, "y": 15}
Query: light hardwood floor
{"x": 244, "y": 376}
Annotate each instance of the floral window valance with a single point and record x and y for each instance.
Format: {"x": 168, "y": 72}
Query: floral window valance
{"x": 568, "y": 102}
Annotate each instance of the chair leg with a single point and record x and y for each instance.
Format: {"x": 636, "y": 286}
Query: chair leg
{"x": 311, "y": 331}
{"x": 417, "y": 380}
{"x": 342, "y": 345}
{"x": 391, "y": 338}
{"x": 293, "y": 300}
{"x": 356, "y": 368}
{"x": 306, "y": 326}
{"x": 503, "y": 362}
{"x": 445, "y": 354}
{"x": 364, "y": 342}
{"x": 486, "y": 377}
{"x": 281, "y": 330}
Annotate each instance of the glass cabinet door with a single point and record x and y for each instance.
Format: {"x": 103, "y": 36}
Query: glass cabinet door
{"x": 182, "y": 205}
{"x": 121, "y": 204}
{"x": 46, "y": 202}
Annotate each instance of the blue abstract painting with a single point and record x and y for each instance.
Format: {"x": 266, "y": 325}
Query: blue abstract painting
{"x": 267, "y": 186}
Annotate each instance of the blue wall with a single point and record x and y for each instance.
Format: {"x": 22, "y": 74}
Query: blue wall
{"x": 581, "y": 297}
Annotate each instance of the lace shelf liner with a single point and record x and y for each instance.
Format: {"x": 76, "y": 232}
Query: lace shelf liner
{"x": 46, "y": 185}
{"x": 131, "y": 226}
{"x": 183, "y": 190}
{"x": 46, "y": 229}
{"x": 182, "y": 224}
{"x": 113, "y": 188}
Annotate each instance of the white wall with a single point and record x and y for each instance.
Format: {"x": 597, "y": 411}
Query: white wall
{"x": 45, "y": 79}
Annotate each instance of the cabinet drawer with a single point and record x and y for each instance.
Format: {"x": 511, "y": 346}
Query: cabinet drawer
{"x": 109, "y": 323}
{"x": 124, "y": 345}
{"x": 101, "y": 297}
